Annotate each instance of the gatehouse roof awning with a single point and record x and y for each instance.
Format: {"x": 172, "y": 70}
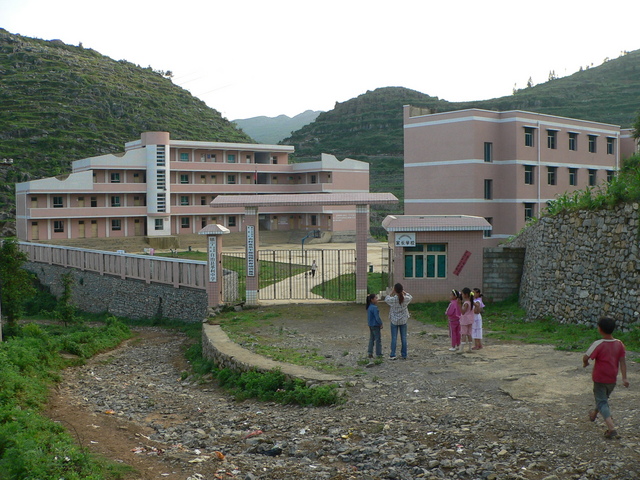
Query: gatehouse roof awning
{"x": 434, "y": 223}
{"x": 304, "y": 199}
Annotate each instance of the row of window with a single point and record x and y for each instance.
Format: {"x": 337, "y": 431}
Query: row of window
{"x": 58, "y": 201}
{"x": 552, "y": 178}
{"x": 552, "y": 142}
{"x": 572, "y": 138}
{"x": 425, "y": 261}
{"x": 230, "y": 158}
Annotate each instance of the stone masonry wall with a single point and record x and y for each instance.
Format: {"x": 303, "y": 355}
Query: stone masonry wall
{"x": 582, "y": 265}
{"x": 125, "y": 298}
{"x": 501, "y": 272}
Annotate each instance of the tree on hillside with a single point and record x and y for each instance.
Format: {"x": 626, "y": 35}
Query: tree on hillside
{"x": 15, "y": 282}
{"x": 636, "y": 128}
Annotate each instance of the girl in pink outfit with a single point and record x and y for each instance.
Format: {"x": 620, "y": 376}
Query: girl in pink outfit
{"x": 453, "y": 314}
{"x": 478, "y": 308}
{"x": 466, "y": 319}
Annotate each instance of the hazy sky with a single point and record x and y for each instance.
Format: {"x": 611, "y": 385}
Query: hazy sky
{"x": 247, "y": 58}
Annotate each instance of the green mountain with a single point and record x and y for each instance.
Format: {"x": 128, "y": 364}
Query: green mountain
{"x": 271, "y": 130}
{"x": 60, "y": 103}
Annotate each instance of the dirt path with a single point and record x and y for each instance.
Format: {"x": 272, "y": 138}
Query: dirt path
{"x": 507, "y": 411}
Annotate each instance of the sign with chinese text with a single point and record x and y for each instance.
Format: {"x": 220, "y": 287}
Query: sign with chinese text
{"x": 213, "y": 259}
{"x": 462, "y": 262}
{"x": 251, "y": 251}
{"x": 405, "y": 239}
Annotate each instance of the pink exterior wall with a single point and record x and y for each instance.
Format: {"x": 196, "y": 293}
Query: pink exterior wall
{"x": 111, "y": 180}
{"x": 445, "y": 167}
{"x": 439, "y": 289}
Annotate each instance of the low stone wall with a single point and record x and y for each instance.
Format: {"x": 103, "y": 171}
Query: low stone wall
{"x": 133, "y": 299}
{"x": 582, "y": 265}
{"x": 501, "y": 272}
{"x": 217, "y": 346}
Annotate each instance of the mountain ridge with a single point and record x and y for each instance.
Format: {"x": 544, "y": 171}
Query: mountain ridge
{"x": 272, "y": 130}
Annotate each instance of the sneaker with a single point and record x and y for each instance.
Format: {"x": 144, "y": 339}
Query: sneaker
{"x": 392, "y": 358}
{"x": 370, "y": 356}
{"x": 610, "y": 434}
{"x": 453, "y": 349}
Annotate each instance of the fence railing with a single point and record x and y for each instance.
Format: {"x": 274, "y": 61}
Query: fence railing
{"x": 170, "y": 271}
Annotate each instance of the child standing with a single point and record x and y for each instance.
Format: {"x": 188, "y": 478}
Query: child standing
{"x": 399, "y": 316}
{"x": 608, "y": 354}
{"x": 375, "y": 325}
{"x": 466, "y": 318}
{"x": 478, "y": 308}
{"x": 453, "y": 314}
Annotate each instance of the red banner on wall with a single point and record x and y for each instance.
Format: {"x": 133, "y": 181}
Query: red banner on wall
{"x": 462, "y": 262}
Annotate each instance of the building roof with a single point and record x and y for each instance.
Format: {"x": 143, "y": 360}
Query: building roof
{"x": 214, "y": 229}
{"x": 304, "y": 199}
{"x": 434, "y": 223}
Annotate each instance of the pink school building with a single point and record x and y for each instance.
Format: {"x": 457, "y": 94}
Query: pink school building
{"x": 161, "y": 187}
{"x": 503, "y": 166}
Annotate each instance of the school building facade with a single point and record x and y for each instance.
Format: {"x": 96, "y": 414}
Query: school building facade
{"x": 162, "y": 187}
{"x": 503, "y": 166}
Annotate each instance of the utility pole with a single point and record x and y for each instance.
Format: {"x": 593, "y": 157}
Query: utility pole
{"x": 5, "y": 162}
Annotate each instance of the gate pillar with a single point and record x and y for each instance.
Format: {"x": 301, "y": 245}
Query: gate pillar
{"x": 214, "y": 276}
{"x": 362, "y": 233}
{"x": 251, "y": 249}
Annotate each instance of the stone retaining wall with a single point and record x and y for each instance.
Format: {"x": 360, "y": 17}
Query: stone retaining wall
{"x": 582, "y": 265}
{"x": 133, "y": 299}
{"x": 501, "y": 272}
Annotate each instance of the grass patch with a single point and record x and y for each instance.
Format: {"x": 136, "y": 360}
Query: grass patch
{"x": 32, "y": 446}
{"x": 506, "y": 321}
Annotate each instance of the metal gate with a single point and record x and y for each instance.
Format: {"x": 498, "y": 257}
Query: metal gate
{"x": 288, "y": 274}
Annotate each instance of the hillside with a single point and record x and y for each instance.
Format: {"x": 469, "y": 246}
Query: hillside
{"x": 273, "y": 129}
{"x": 371, "y": 124}
{"x": 60, "y": 102}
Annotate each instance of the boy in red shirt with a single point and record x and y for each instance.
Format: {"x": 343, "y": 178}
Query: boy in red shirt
{"x": 608, "y": 353}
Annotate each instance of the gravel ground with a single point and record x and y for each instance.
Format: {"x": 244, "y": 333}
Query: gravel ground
{"x": 505, "y": 412}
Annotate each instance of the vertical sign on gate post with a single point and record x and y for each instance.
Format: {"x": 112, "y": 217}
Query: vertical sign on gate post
{"x": 251, "y": 248}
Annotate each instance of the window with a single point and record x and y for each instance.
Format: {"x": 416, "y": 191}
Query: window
{"x": 57, "y": 202}
{"x": 158, "y": 224}
{"x": 314, "y": 220}
{"x": 203, "y": 179}
{"x": 592, "y": 178}
{"x": 231, "y": 159}
{"x": 81, "y": 202}
{"x": 551, "y": 175}
{"x": 184, "y": 157}
{"x": 136, "y": 201}
{"x": 432, "y": 264}
{"x": 231, "y": 221}
{"x": 184, "y": 178}
{"x": 34, "y": 202}
{"x": 528, "y": 136}
{"x": 488, "y": 189}
{"x": 248, "y": 157}
{"x": 274, "y": 160}
{"x": 528, "y": 174}
{"x": 552, "y": 136}
{"x": 184, "y": 222}
{"x": 528, "y": 211}
{"x": 610, "y": 145}
{"x": 115, "y": 201}
{"x": 314, "y": 179}
{"x": 610, "y": 175}
{"x": 94, "y": 201}
{"x": 116, "y": 225}
{"x": 136, "y": 178}
{"x": 231, "y": 179}
{"x": 573, "y": 177}
{"x": 487, "y": 233}
{"x": 573, "y": 141}
{"x": 115, "y": 178}
{"x": 58, "y": 226}
{"x": 184, "y": 200}
{"x": 488, "y": 152}
{"x": 592, "y": 143}
{"x": 203, "y": 200}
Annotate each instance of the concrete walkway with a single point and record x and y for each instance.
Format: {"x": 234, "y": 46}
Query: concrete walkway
{"x": 218, "y": 347}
